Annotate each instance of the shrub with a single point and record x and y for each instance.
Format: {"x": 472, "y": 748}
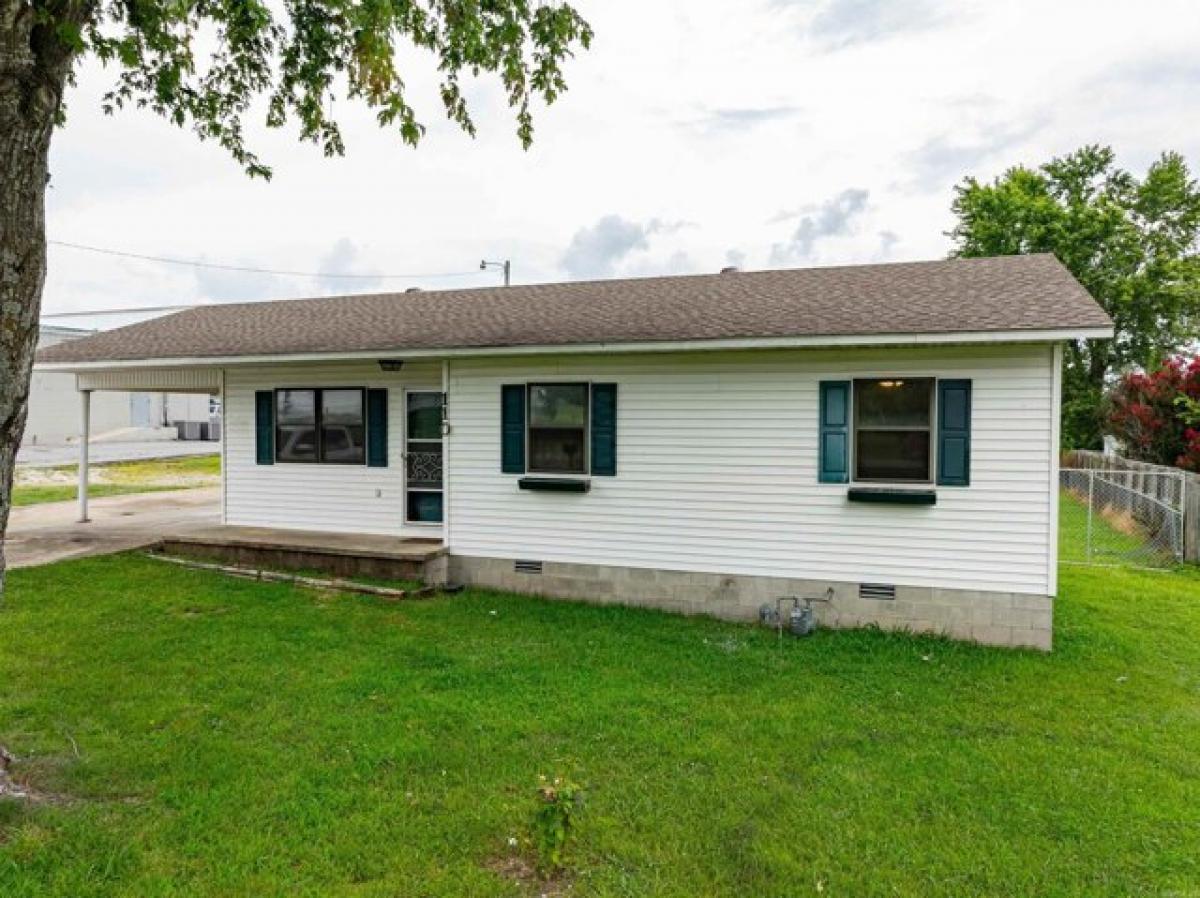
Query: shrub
{"x": 1156, "y": 415}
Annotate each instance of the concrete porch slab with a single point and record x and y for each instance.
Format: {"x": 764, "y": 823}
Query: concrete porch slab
{"x": 343, "y": 554}
{"x": 332, "y": 543}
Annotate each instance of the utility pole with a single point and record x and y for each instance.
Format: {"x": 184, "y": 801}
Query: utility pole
{"x": 506, "y": 265}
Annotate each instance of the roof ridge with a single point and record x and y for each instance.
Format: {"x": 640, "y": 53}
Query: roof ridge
{"x": 949, "y": 296}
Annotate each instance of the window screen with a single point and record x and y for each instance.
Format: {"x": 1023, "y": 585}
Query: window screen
{"x": 343, "y": 427}
{"x": 893, "y": 429}
{"x": 558, "y": 419}
{"x": 326, "y": 426}
{"x": 296, "y": 426}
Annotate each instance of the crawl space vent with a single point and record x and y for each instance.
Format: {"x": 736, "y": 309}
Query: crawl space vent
{"x": 527, "y": 567}
{"x": 876, "y": 591}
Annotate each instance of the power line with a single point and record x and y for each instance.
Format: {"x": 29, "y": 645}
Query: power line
{"x": 195, "y": 263}
{"x": 126, "y": 311}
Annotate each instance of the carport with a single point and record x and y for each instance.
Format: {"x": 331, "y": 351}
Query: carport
{"x": 208, "y": 381}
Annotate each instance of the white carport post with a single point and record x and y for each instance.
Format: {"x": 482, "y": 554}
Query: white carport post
{"x": 85, "y": 428}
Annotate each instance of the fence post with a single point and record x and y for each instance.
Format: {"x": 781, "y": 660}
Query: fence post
{"x": 1091, "y": 511}
{"x": 1191, "y": 518}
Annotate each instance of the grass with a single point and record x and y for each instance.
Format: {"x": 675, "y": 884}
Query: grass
{"x": 36, "y": 495}
{"x": 1127, "y": 543}
{"x": 58, "y": 484}
{"x": 216, "y": 737}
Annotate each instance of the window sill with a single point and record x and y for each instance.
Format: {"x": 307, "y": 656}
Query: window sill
{"x": 555, "y": 484}
{"x": 325, "y": 464}
{"x": 891, "y": 496}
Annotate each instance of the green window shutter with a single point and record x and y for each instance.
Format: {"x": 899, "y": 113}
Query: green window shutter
{"x": 604, "y": 430}
{"x": 512, "y": 428}
{"x": 834, "y": 449}
{"x": 377, "y": 428}
{"x": 264, "y": 427}
{"x": 954, "y": 433}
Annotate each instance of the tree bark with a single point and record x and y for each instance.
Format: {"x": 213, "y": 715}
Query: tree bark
{"x": 34, "y": 66}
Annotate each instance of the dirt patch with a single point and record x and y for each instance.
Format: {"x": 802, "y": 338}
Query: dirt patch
{"x": 523, "y": 872}
{"x": 201, "y": 611}
{"x": 1122, "y": 522}
{"x": 15, "y": 789}
{"x": 117, "y": 475}
{"x": 44, "y": 477}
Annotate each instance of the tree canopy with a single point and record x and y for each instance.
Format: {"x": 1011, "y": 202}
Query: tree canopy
{"x": 299, "y": 61}
{"x": 1134, "y": 243}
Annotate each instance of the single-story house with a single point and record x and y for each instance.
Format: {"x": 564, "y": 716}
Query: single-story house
{"x": 700, "y": 443}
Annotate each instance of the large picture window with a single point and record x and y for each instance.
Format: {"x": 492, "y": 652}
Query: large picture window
{"x": 893, "y": 429}
{"x": 320, "y": 426}
{"x": 558, "y": 428}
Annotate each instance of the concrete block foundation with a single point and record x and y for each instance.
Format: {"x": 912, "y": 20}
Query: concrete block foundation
{"x": 991, "y": 618}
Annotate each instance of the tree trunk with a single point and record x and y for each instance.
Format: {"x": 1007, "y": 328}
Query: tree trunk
{"x": 34, "y": 66}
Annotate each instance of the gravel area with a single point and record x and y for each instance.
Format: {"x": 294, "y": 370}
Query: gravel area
{"x": 99, "y": 453}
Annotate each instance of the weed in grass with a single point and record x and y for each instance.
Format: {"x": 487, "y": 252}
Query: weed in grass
{"x": 559, "y": 802}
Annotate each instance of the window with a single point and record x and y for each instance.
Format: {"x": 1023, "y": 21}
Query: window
{"x": 343, "y": 427}
{"x": 893, "y": 429}
{"x": 558, "y": 426}
{"x": 296, "y": 425}
{"x": 326, "y": 426}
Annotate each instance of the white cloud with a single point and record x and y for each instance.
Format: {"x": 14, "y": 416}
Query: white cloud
{"x": 739, "y": 120}
{"x": 842, "y": 23}
{"x": 219, "y": 285}
{"x": 345, "y": 258}
{"x": 944, "y": 159}
{"x": 596, "y": 251}
{"x": 887, "y": 242}
{"x": 836, "y": 217}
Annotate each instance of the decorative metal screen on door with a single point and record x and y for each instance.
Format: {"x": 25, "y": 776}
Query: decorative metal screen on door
{"x": 424, "y": 469}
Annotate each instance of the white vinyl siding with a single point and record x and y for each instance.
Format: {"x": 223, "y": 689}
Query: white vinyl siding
{"x": 166, "y": 380}
{"x": 717, "y": 471}
{"x": 335, "y": 497}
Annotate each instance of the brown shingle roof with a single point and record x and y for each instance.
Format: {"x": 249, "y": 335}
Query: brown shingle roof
{"x": 1009, "y": 293}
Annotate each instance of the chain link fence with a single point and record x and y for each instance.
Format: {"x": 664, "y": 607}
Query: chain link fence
{"x": 1110, "y": 517}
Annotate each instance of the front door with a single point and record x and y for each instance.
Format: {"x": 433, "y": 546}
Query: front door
{"x": 423, "y": 450}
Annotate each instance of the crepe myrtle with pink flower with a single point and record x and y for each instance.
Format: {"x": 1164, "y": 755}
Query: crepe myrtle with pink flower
{"x": 1156, "y": 414}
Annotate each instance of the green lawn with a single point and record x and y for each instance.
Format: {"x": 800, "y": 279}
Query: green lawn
{"x": 216, "y": 737}
{"x": 37, "y": 485}
{"x": 1109, "y": 545}
{"x": 36, "y": 495}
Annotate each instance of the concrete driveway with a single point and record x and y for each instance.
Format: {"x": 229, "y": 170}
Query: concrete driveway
{"x": 42, "y": 534}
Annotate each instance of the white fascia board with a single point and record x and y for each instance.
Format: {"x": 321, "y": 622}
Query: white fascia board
{"x": 817, "y": 342}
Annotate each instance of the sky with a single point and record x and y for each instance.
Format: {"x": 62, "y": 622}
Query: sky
{"x": 694, "y": 135}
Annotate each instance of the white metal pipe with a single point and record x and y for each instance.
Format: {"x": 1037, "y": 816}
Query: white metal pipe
{"x": 85, "y": 433}
{"x": 221, "y": 419}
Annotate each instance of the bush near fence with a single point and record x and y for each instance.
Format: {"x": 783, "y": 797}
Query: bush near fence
{"x": 1146, "y": 480}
